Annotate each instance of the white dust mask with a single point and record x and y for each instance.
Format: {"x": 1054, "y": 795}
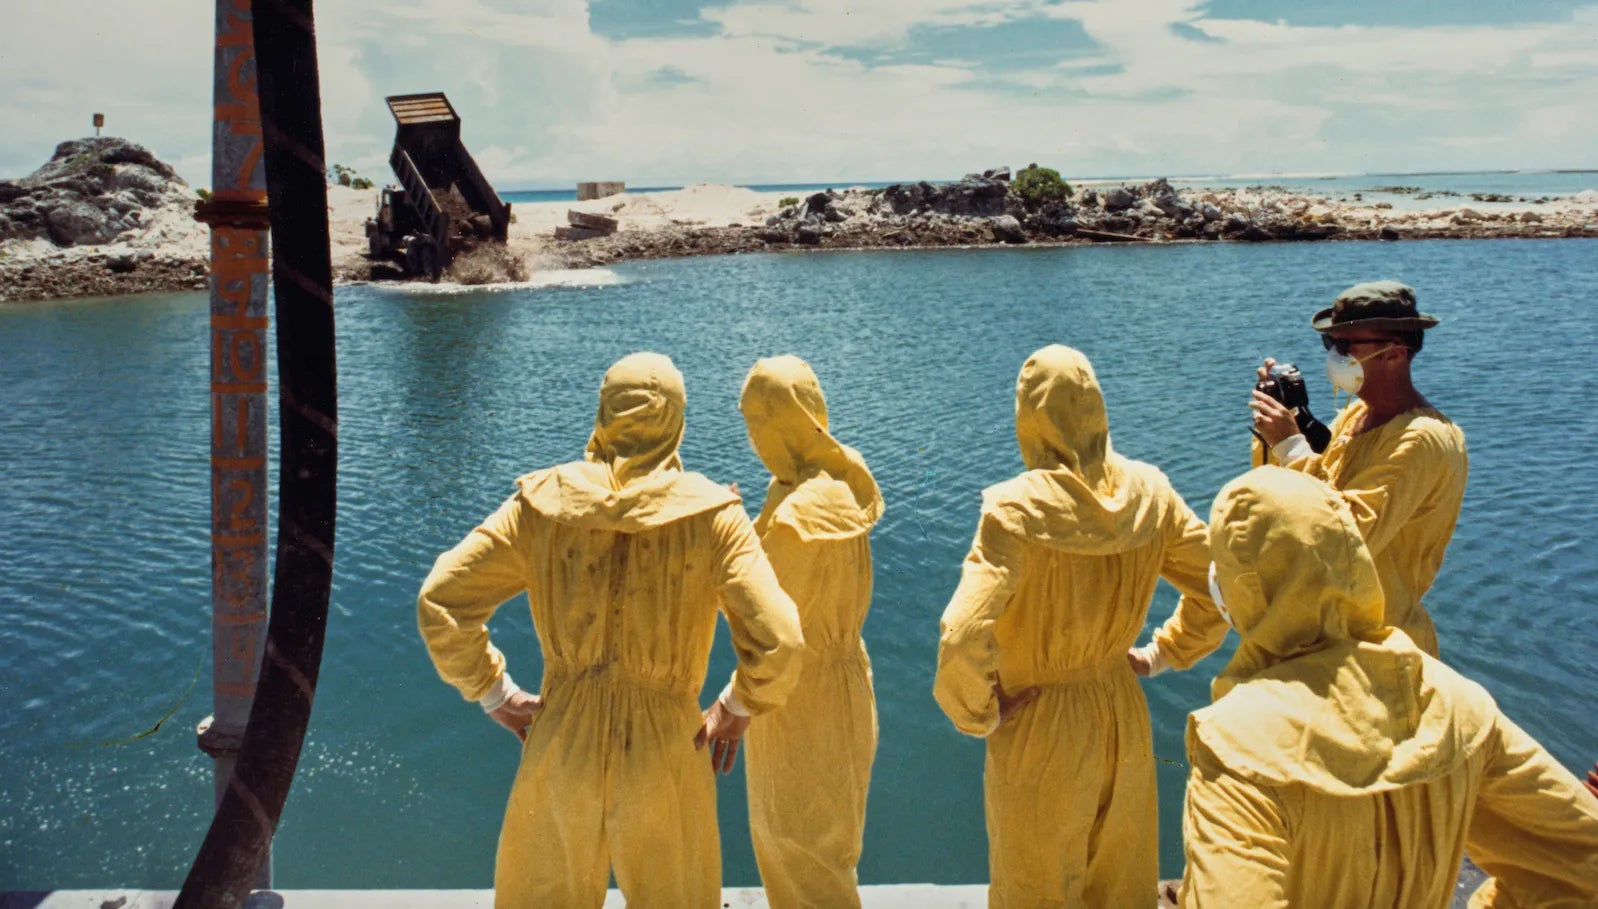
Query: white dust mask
{"x": 1215, "y": 595}
{"x": 1346, "y": 371}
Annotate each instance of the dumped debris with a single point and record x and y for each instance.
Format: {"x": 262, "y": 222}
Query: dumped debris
{"x": 443, "y": 206}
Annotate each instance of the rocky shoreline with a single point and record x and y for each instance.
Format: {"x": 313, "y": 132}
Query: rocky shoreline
{"x": 104, "y": 217}
{"x": 981, "y": 211}
{"x": 102, "y": 275}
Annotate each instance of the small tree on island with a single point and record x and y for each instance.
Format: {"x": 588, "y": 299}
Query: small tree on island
{"x": 1038, "y": 186}
{"x": 347, "y": 176}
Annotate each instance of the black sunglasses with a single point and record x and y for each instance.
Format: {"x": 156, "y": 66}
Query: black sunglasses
{"x": 1342, "y": 345}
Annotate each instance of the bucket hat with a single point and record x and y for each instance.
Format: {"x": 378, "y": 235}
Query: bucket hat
{"x": 1376, "y": 304}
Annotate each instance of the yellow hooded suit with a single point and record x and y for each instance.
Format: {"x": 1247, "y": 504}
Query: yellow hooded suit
{"x": 1055, "y": 589}
{"x": 1342, "y": 767}
{"x": 625, "y": 559}
{"x": 1404, "y": 482}
{"x": 809, "y": 763}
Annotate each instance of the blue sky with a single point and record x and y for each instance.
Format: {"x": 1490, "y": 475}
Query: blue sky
{"x": 676, "y": 91}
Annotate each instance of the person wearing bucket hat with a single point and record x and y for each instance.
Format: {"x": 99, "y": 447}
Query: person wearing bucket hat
{"x": 1341, "y": 768}
{"x": 1397, "y": 460}
{"x": 625, "y": 559}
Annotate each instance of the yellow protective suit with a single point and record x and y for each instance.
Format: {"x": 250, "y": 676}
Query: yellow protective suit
{"x": 624, "y": 558}
{"x": 1404, "y": 481}
{"x": 809, "y": 763}
{"x": 1340, "y": 766}
{"x": 1054, "y": 591}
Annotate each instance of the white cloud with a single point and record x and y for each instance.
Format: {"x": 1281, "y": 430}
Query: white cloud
{"x": 853, "y": 23}
{"x": 779, "y": 92}
{"x": 62, "y": 62}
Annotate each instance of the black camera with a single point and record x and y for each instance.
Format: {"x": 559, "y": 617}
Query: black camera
{"x": 1286, "y": 384}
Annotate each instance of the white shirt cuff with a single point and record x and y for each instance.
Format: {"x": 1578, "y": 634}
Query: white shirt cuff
{"x": 1291, "y": 449}
{"x": 499, "y": 693}
{"x": 731, "y": 702}
{"x": 1157, "y": 661}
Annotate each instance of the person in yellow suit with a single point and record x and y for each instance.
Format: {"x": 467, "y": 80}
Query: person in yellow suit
{"x": 809, "y": 763}
{"x": 1341, "y": 766}
{"x": 1399, "y": 463}
{"x": 1033, "y": 648}
{"x": 625, "y": 558}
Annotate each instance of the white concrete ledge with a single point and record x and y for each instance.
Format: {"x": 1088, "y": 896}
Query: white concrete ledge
{"x": 876, "y": 896}
{"x": 886, "y": 896}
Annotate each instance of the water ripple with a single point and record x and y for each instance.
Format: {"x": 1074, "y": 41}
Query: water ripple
{"x": 447, "y": 394}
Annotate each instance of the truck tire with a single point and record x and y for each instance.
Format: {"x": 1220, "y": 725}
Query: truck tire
{"x": 421, "y": 258}
{"x": 428, "y": 254}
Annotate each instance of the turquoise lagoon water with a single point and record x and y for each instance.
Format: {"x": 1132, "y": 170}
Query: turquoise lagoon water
{"x": 568, "y": 195}
{"x": 1529, "y": 185}
{"x": 448, "y": 395}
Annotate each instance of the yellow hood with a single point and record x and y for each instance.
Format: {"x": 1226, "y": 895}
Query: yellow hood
{"x": 632, "y": 478}
{"x": 1078, "y": 495}
{"x": 1292, "y": 568}
{"x": 820, "y": 487}
{"x": 1059, "y": 415}
{"x": 639, "y": 424}
{"x": 1320, "y": 692}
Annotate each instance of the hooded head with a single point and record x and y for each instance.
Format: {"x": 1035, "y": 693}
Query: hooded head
{"x": 1293, "y": 570}
{"x": 640, "y": 420}
{"x": 787, "y": 419}
{"x": 1059, "y": 415}
{"x": 1320, "y": 693}
{"x": 631, "y": 478}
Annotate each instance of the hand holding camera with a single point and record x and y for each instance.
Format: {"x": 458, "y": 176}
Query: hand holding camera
{"x": 1283, "y": 385}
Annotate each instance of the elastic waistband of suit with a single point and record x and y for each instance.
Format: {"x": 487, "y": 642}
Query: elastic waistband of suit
{"x": 852, "y": 650}
{"x": 616, "y": 674}
{"x": 1048, "y": 676}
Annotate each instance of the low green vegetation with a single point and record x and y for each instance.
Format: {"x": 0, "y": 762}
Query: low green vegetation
{"x": 1038, "y": 186}
{"x": 348, "y": 176}
{"x": 203, "y": 193}
{"x": 786, "y": 201}
{"x": 78, "y": 162}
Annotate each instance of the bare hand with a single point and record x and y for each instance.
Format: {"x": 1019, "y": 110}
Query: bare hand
{"x": 517, "y": 713}
{"x": 1141, "y": 664}
{"x": 734, "y": 487}
{"x": 1010, "y": 703}
{"x": 722, "y": 730}
{"x": 1272, "y": 420}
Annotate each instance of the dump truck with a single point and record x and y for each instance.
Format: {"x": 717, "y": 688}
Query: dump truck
{"x": 442, "y": 205}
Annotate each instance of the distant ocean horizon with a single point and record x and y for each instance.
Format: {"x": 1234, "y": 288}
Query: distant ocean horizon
{"x": 1528, "y": 184}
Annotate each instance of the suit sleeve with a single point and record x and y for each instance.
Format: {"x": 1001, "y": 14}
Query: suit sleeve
{"x": 968, "y": 649}
{"x": 1384, "y": 496}
{"x": 467, "y": 584}
{"x": 1196, "y": 629}
{"x": 762, "y": 618}
{"x": 1235, "y": 837}
{"x": 1535, "y": 828}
